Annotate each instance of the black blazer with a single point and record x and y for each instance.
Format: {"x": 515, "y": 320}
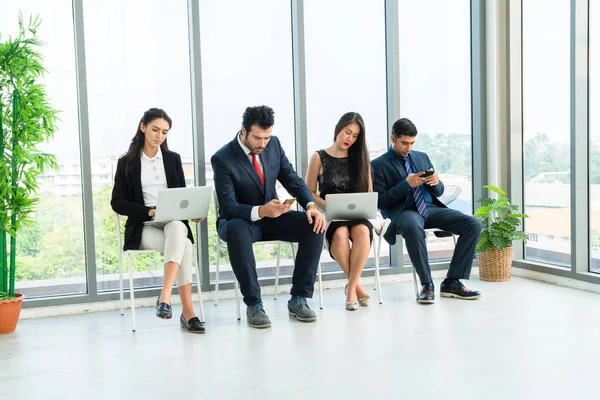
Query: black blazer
{"x": 238, "y": 186}
{"x": 389, "y": 181}
{"x": 128, "y": 199}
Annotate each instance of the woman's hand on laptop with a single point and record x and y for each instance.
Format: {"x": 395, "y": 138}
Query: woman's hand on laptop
{"x": 198, "y": 220}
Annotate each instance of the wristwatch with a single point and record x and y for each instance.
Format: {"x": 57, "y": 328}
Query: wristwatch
{"x": 312, "y": 204}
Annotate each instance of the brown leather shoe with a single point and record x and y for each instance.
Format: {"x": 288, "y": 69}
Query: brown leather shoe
{"x": 458, "y": 290}
{"x": 427, "y": 295}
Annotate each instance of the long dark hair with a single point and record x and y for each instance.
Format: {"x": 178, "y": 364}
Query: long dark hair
{"x": 137, "y": 143}
{"x": 358, "y": 155}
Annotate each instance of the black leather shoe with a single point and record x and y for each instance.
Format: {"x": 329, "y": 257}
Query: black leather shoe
{"x": 458, "y": 290}
{"x": 163, "y": 310}
{"x": 427, "y": 295}
{"x": 194, "y": 325}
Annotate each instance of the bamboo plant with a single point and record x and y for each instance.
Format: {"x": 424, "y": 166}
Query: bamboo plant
{"x": 26, "y": 121}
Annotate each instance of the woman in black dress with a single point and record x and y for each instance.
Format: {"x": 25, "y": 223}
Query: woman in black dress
{"x": 344, "y": 167}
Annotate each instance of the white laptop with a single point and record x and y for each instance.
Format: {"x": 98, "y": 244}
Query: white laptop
{"x": 178, "y": 204}
{"x": 350, "y": 206}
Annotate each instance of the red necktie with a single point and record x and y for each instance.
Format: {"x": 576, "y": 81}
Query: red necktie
{"x": 257, "y": 168}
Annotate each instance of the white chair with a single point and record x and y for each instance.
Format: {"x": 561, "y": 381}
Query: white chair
{"x": 278, "y": 243}
{"x": 129, "y": 253}
{"x": 379, "y": 227}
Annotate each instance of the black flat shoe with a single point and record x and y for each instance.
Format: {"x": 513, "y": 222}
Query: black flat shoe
{"x": 194, "y": 325}
{"x": 163, "y": 310}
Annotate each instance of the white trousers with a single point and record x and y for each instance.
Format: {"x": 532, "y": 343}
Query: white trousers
{"x": 173, "y": 242}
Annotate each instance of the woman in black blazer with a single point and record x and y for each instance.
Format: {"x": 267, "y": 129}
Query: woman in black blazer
{"x": 147, "y": 167}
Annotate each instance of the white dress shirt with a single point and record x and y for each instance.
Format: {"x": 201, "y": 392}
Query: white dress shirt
{"x": 254, "y": 213}
{"x": 153, "y": 177}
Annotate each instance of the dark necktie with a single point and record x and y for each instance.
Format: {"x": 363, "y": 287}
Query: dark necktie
{"x": 416, "y": 192}
{"x": 257, "y": 168}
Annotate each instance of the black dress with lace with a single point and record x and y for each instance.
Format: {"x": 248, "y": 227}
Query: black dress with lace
{"x": 336, "y": 179}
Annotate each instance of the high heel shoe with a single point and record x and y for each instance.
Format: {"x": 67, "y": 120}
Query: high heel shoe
{"x": 364, "y": 301}
{"x": 352, "y": 305}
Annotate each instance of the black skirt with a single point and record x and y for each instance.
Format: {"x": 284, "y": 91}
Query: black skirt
{"x": 336, "y": 224}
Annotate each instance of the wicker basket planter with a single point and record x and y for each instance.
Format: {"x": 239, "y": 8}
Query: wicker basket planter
{"x": 495, "y": 265}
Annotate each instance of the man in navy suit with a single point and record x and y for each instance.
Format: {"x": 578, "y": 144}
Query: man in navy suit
{"x": 245, "y": 172}
{"x": 410, "y": 199}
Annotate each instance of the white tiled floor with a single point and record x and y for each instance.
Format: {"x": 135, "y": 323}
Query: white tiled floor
{"x": 522, "y": 340}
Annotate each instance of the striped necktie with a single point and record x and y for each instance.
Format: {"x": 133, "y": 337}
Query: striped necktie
{"x": 416, "y": 192}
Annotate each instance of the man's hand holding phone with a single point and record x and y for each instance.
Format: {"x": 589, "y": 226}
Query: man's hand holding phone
{"x": 431, "y": 177}
{"x": 273, "y": 209}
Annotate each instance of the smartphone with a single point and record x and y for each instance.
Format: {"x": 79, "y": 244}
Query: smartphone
{"x": 290, "y": 201}
{"x": 427, "y": 173}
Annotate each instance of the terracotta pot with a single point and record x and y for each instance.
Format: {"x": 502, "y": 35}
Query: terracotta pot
{"x": 9, "y": 313}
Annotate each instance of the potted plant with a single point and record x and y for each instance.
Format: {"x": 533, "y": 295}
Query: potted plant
{"x": 26, "y": 120}
{"x": 500, "y": 222}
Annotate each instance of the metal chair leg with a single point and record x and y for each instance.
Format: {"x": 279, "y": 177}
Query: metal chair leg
{"x": 319, "y": 272}
{"x": 237, "y": 299}
{"x": 131, "y": 296}
{"x": 415, "y": 282}
{"x": 277, "y": 270}
{"x": 121, "y": 302}
{"x": 200, "y": 293}
{"x": 377, "y": 277}
{"x": 217, "y": 272}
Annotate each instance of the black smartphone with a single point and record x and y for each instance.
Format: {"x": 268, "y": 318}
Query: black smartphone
{"x": 427, "y": 173}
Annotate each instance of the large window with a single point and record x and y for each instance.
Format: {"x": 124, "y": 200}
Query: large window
{"x": 435, "y": 94}
{"x": 546, "y": 130}
{"x": 246, "y": 61}
{"x": 50, "y": 254}
{"x": 345, "y": 71}
{"x": 594, "y": 115}
{"x": 137, "y": 58}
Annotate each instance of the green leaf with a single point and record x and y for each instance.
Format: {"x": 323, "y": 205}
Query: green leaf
{"x": 5, "y": 296}
{"x": 495, "y": 189}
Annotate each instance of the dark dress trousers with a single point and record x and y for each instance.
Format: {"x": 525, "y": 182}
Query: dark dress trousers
{"x": 389, "y": 180}
{"x": 239, "y": 189}
{"x": 128, "y": 199}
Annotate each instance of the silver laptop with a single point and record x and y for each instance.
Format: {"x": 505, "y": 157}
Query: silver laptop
{"x": 350, "y": 206}
{"x": 178, "y": 204}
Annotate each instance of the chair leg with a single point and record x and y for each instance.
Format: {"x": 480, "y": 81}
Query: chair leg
{"x": 217, "y": 272}
{"x": 293, "y": 251}
{"x": 237, "y": 298}
{"x": 131, "y": 296}
{"x": 121, "y": 302}
{"x": 320, "y": 285}
{"x": 277, "y": 270}
{"x": 415, "y": 282}
{"x": 200, "y": 293}
{"x": 377, "y": 277}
